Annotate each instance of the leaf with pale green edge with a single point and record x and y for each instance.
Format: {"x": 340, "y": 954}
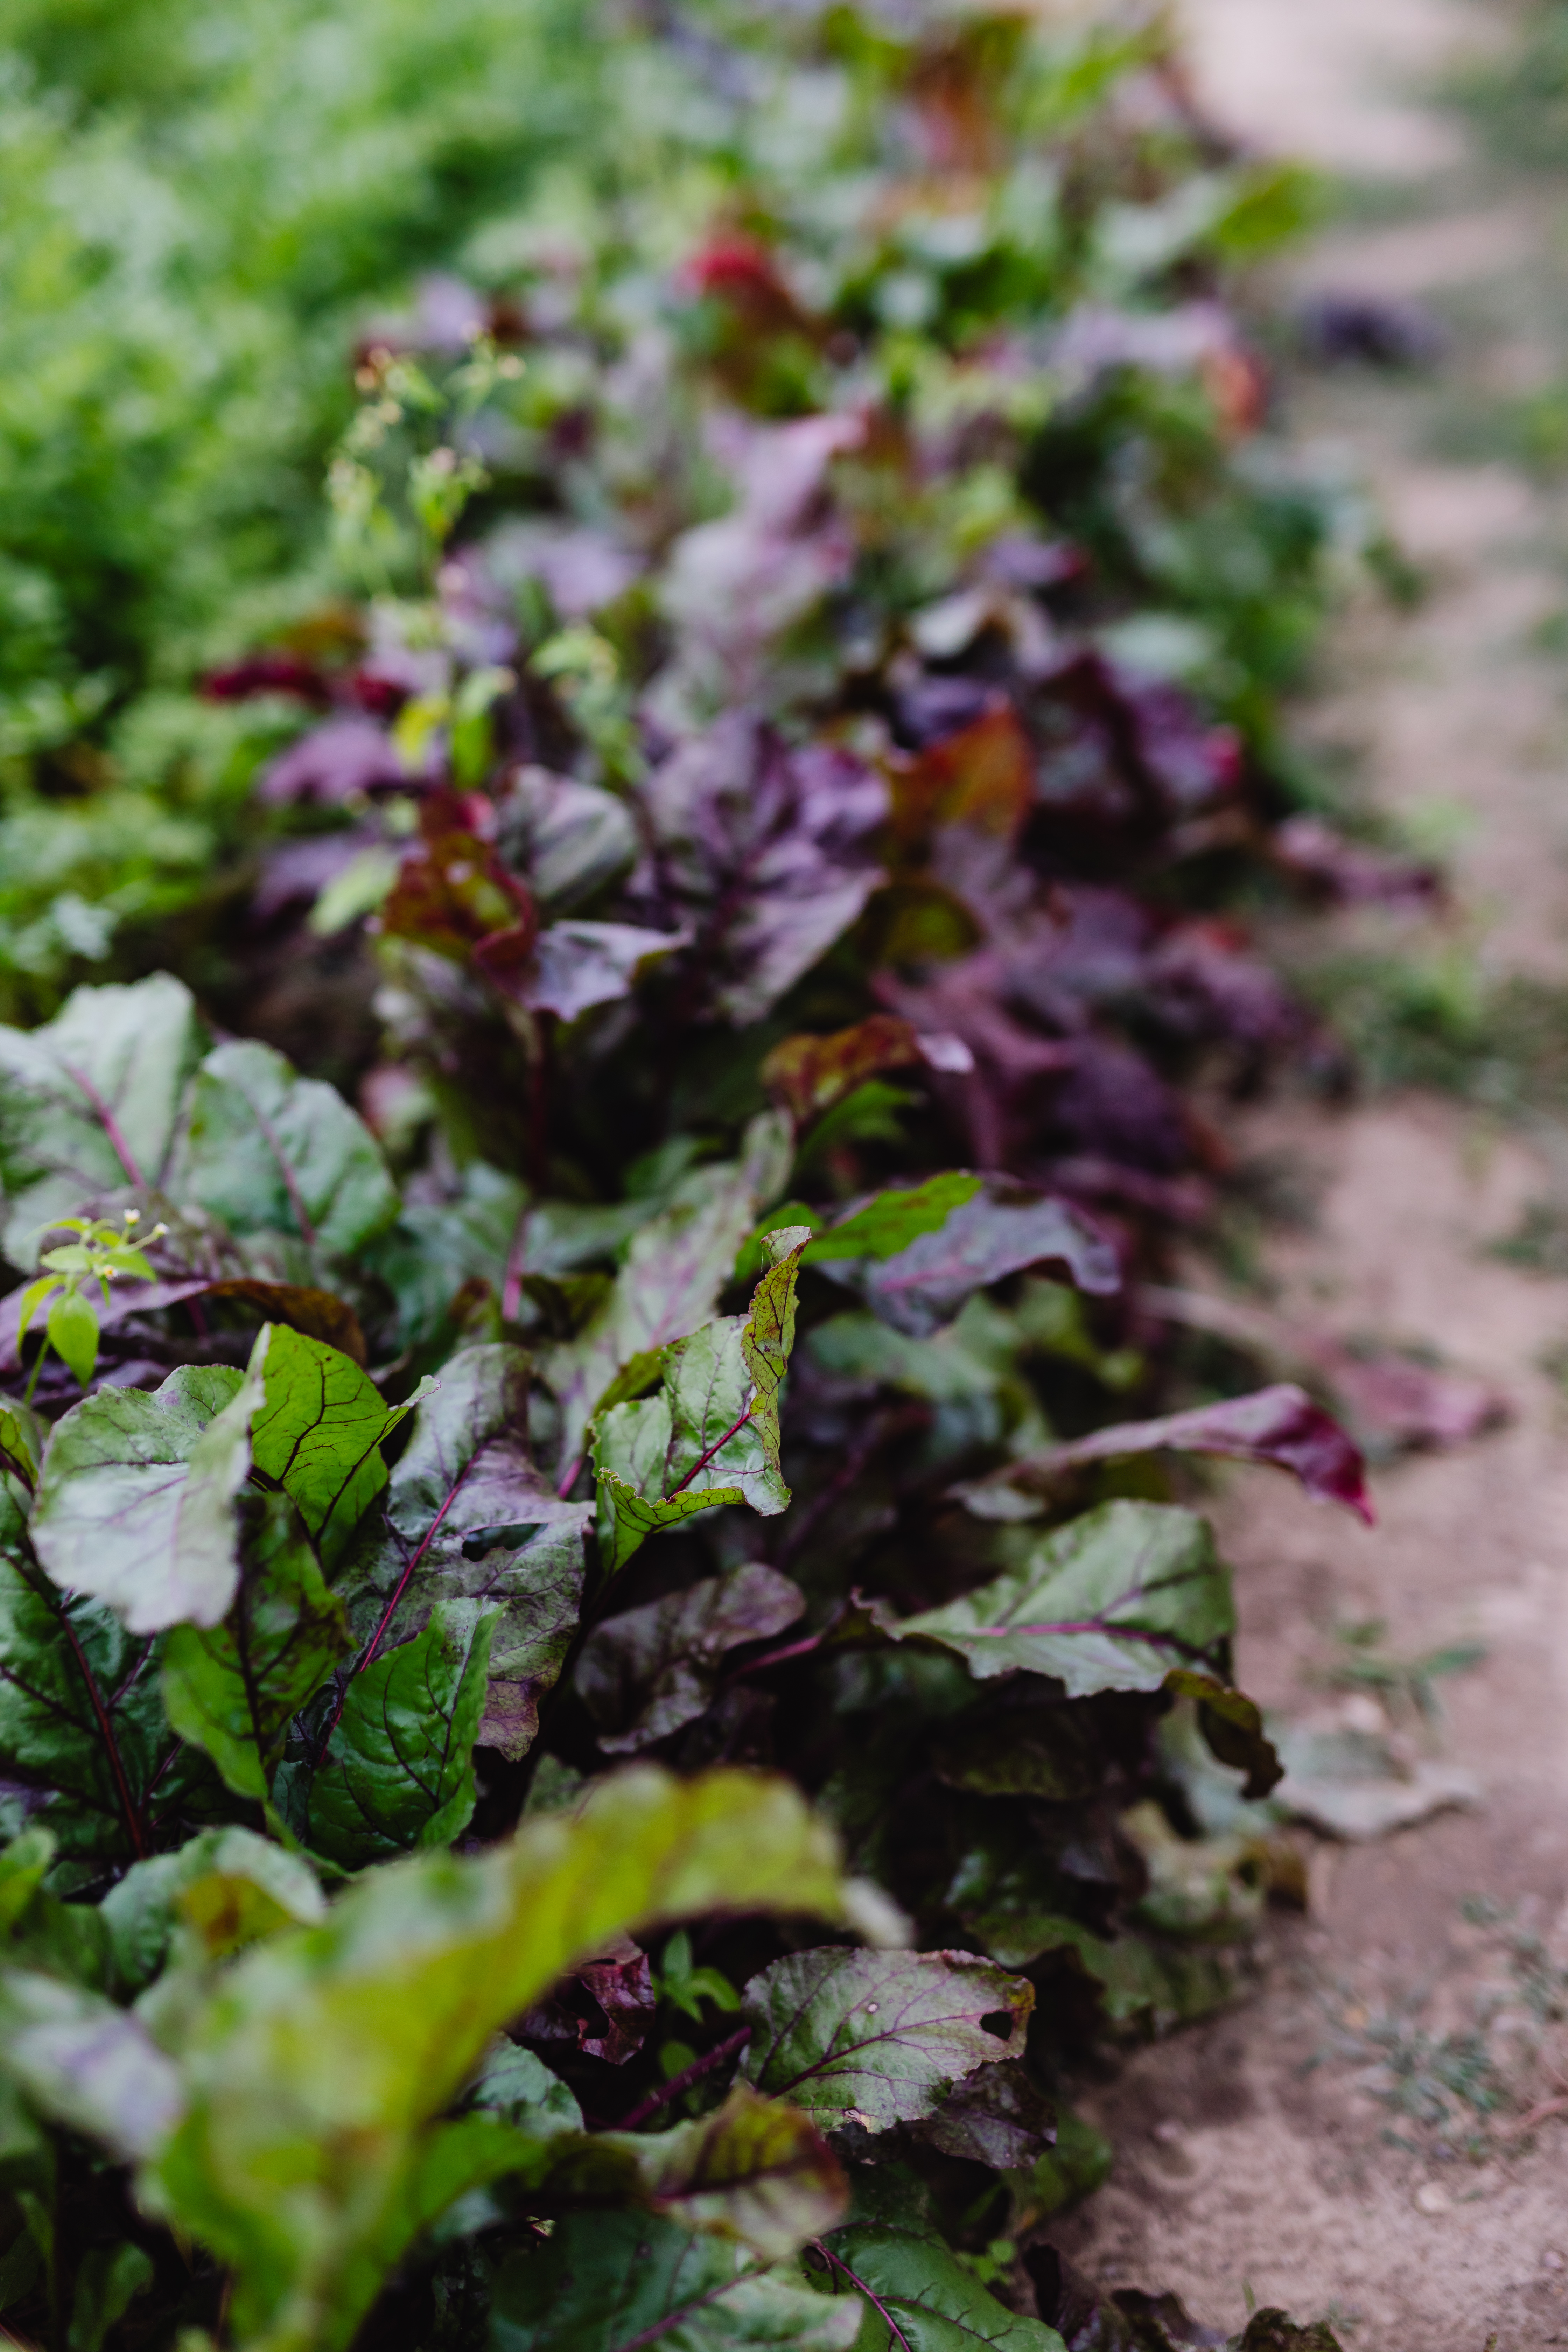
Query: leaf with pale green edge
{"x": 472, "y": 1520}
{"x": 1111, "y": 1602}
{"x": 82, "y": 1728}
{"x": 318, "y": 1432}
{"x": 87, "y": 2065}
{"x": 608, "y": 2282}
{"x": 644, "y": 1675}
{"x": 233, "y": 1688}
{"x": 315, "y": 2070}
{"x": 398, "y": 1769}
{"x": 877, "y": 2038}
{"x": 930, "y": 2302}
{"x": 1002, "y": 1228}
{"x": 89, "y": 1102}
{"x": 711, "y": 1435}
{"x": 675, "y": 1265}
{"x": 269, "y": 1151}
{"x": 888, "y": 1221}
{"x": 757, "y": 2170}
{"x": 135, "y": 1503}
{"x": 229, "y": 1885}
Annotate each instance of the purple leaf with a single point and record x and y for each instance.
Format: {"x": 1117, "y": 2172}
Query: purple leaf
{"x": 1003, "y": 1229}
{"x": 1345, "y": 871}
{"x": 337, "y": 763}
{"x": 1279, "y": 1425}
{"x": 760, "y": 849}
{"x": 579, "y": 965}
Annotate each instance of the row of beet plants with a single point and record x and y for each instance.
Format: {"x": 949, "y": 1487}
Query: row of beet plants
{"x": 601, "y": 1688}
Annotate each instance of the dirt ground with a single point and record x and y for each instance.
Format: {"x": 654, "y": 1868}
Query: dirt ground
{"x": 1256, "y": 2156}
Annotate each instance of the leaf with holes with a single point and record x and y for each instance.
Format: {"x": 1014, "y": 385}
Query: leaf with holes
{"x": 325, "y": 2044}
{"x": 878, "y": 2038}
{"x": 234, "y": 1689}
{"x": 89, "y": 1103}
{"x": 1111, "y": 1602}
{"x": 269, "y": 1151}
{"x": 398, "y": 1769}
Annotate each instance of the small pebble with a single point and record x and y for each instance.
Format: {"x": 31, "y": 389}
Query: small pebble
{"x": 1431, "y": 2198}
{"x": 1552, "y": 2261}
{"x": 1168, "y": 2131}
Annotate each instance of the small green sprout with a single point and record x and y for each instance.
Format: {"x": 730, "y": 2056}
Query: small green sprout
{"x": 102, "y": 1252}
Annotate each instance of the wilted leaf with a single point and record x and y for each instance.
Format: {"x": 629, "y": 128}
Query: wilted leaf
{"x": 934, "y": 2301}
{"x": 134, "y": 1506}
{"x": 605, "y": 2281}
{"x": 877, "y": 2038}
{"x": 605, "y": 2006}
{"x": 313, "y": 2073}
{"x": 1233, "y": 1728}
{"x": 807, "y": 1075}
{"x": 89, "y": 1102}
{"x": 1111, "y": 1601}
{"x": 995, "y": 2117}
{"x": 1000, "y": 1229}
{"x": 234, "y": 1689}
{"x": 644, "y": 1675}
{"x": 269, "y": 1151}
{"x": 85, "y": 2064}
{"x": 398, "y": 1770}
{"x": 1279, "y": 1425}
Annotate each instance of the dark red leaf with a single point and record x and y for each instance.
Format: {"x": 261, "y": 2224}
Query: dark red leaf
{"x": 1279, "y": 1425}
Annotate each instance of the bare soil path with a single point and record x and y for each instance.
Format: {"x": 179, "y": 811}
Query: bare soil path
{"x": 1257, "y": 2157}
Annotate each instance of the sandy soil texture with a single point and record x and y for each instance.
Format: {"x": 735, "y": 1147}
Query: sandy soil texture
{"x": 1256, "y": 2154}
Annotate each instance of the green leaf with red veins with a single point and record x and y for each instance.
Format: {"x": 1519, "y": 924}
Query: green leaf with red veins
{"x": 1111, "y": 1602}
{"x": 711, "y": 1435}
{"x": 269, "y": 1151}
{"x": 89, "y": 1102}
{"x": 878, "y": 2038}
